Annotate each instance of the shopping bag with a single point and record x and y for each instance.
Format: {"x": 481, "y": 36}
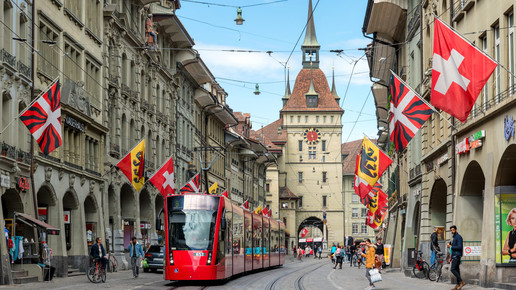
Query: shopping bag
{"x": 375, "y": 275}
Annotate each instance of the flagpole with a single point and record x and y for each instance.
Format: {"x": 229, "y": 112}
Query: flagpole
{"x": 29, "y": 105}
{"x": 422, "y": 99}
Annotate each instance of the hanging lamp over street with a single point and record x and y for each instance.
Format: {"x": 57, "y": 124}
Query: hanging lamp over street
{"x": 239, "y": 20}
{"x": 257, "y": 89}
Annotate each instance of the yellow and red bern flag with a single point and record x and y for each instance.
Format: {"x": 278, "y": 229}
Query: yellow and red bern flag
{"x": 133, "y": 164}
{"x": 371, "y": 163}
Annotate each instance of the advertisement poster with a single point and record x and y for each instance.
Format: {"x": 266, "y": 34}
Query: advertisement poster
{"x": 504, "y": 204}
{"x": 387, "y": 249}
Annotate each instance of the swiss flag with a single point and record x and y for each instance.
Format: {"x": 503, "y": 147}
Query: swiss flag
{"x": 459, "y": 72}
{"x": 163, "y": 179}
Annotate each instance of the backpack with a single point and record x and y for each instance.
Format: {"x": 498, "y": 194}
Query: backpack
{"x": 10, "y": 243}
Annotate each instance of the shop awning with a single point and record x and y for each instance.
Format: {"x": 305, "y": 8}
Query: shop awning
{"x": 33, "y": 222}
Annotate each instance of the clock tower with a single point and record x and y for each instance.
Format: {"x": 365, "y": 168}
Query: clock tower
{"x": 307, "y": 139}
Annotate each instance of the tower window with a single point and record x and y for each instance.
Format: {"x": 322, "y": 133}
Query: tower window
{"x": 323, "y": 145}
{"x": 324, "y": 201}
{"x": 311, "y": 101}
{"x": 300, "y": 177}
{"x": 324, "y": 179}
{"x": 300, "y": 145}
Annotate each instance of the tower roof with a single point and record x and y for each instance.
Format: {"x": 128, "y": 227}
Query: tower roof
{"x": 333, "y": 89}
{"x": 287, "y": 88}
{"x": 305, "y": 79}
{"x": 310, "y": 37}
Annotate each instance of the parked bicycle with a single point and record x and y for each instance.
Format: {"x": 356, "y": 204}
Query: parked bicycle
{"x": 421, "y": 267}
{"x": 112, "y": 263}
{"x": 95, "y": 272}
{"x": 436, "y": 269}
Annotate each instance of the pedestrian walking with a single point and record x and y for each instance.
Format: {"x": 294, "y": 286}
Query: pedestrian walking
{"x": 338, "y": 258}
{"x": 369, "y": 264}
{"x": 352, "y": 251}
{"x": 294, "y": 252}
{"x": 456, "y": 247}
{"x": 136, "y": 253}
{"x": 315, "y": 252}
{"x": 434, "y": 246}
{"x": 379, "y": 253}
{"x": 320, "y": 251}
{"x": 332, "y": 253}
{"x": 299, "y": 253}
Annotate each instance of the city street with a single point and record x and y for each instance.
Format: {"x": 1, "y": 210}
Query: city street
{"x": 308, "y": 274}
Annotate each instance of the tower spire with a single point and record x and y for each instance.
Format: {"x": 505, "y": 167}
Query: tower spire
{"x": 287, "y": 89}
{"x": 310, "y": 46}
{"x": 333, "y": 89}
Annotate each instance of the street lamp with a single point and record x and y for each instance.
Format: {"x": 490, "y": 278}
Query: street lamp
{"x": 239, "y": 20}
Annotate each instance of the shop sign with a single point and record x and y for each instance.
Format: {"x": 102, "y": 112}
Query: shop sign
{"x": 442, "y": 159}
{"x": 309, "y": 240}
{"x": 146, "y": 226}
{"x": 302, "y": 240}
{"x": 67, "y": 217}
{"x": 74, "y": 123}
{"x": 470, "y": 251}
{"x": 462, "y": 147}
{"x": 475, "y": 144}
{"x": 508, "y": 127}
{"x": 23, "y": 184}
{"x": 5, "y": 181}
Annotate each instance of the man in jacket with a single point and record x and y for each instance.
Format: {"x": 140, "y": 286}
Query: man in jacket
{"x": 98, "y": 253}
{"x": 456, "y": 247}
{"x": 434, "y": 246}
{"x": 135, "y": 252}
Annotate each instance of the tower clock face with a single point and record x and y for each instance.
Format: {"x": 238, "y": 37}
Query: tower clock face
{"x": 312, "y": 136}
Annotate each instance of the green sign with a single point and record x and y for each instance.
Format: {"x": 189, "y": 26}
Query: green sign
{"x": 478, "y": 135}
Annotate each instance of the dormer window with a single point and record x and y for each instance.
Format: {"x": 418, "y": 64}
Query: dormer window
{"x": 311, "y": 101}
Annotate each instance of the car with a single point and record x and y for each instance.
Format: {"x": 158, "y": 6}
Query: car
{"x": 154, "y": 258}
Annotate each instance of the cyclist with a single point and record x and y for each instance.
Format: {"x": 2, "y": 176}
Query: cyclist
{"x": 98, "y": 253}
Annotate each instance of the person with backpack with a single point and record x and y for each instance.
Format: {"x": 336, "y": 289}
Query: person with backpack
{"x": 338, "y": 257}
{"x": 332, "y": 253}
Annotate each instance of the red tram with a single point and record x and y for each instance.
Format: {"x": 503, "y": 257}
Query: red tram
{"x": 207, "y": 237}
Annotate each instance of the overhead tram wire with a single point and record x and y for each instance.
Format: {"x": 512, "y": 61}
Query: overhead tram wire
{"x": 356, "y": 121}
{"x": 233, "y": 6}
{"x": 302, "y": 31}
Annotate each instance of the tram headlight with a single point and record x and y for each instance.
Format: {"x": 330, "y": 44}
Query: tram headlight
{"x": 209, "y": 259}
{"x": 171, "y": 258}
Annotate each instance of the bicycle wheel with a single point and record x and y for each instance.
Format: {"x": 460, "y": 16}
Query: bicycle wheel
{"x": 432, "y": 274}
{"x": 422, "y": 270}
{"x": 439, "y": 271}
{"x": 102, "y": 275}
{"x": 91, "y": 274}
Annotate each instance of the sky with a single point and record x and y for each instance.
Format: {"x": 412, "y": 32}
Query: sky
{"x": 275, "y": 28}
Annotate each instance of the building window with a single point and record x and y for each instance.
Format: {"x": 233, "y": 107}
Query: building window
{"x": 299, "y": 119}
{"x": 267, "y": 187}
{"x": 92, "y": 82}
{"x": 324, "y": 201}
{"x": 331, "y": 118}
{"x": 311, "y": 152}
{"x": 72, "y": 63}
{"x": 364, "y": 212}
{"x": 311, "y": 101}
{"x": 300, "y": 201}
{"x": 323, "y": 145}
{"x": 354, "y": 212}
{"x": 300, "y": 144}
{"x": 292, "y": 119}
{"x": 363, "y": 227}
{"x": 324, "y": 158}
{"x": 284, "y": 205}
{"x": 49, "y": 62}
{"x": 354, "y": 228}
{"x": 285, "y": 221}
{"x": 324, "y": 176}
{"x": 324, "y": 119}
{"x": 316, "y": 119}
{"x": 306, "y": 119}
{"x": 497, "y": 58}
{"x": 300, "y": 177}
{"x": 355, "y": 198}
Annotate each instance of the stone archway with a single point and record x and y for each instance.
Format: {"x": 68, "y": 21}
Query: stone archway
{"x": 146, "y": 215}
{"x": 507, "y": 168}
{"x": 437, "y": 206}
{"x": 91, "y": 220}
{"x": 310, "y": 229}
{"x": 128, "y": 212}
{"x": 72, "y": 217}
{"x": 11, "y": 202}
{"x": 470, "y": 203}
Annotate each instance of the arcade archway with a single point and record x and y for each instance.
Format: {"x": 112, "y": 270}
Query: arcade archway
{"x": 470, "y": 203}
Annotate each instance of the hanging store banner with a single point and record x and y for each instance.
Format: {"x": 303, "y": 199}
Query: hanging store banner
{"x": 505, "y": 224}
{"x": 5, "y": 181}
{"x": 66, "y": 216}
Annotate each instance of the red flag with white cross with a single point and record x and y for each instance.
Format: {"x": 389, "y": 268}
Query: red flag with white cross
{"x": 459, "y": 72}
{"x": 163, "y": 179}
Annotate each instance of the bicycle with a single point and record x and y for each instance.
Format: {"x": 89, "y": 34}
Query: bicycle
{"x": 96, "y": 273}
{"x": 421, "y": 267}
{"x": 112, "y": 263}
{"x": 436, "y": 269}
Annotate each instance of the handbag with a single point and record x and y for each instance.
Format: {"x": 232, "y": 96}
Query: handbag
{"x": 375, "y": 275}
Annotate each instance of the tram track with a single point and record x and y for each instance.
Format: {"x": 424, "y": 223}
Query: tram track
{"x": 298, "y": 284}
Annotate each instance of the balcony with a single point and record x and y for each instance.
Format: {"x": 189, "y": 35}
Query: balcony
{"x": 114, "y": 150}
{"x": 387, "y": 19}
{"x": 113, "y": 80}
{"x": 23, "y": 157}
{"x": 126, "y": 90}
{"x": 461, "y": 8}
{"x": 8, "y": 58}
{"x": 24, "y": 69}
{"x": 144, "y": 106}
{"x": 8, "y": 151}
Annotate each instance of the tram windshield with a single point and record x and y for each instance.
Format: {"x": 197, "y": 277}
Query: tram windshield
{"x": 192, "y": 220}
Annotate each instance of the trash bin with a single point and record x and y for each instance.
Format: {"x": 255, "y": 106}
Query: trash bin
{"x": 48, "y": 272}
{"x": 411, "y": 257}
